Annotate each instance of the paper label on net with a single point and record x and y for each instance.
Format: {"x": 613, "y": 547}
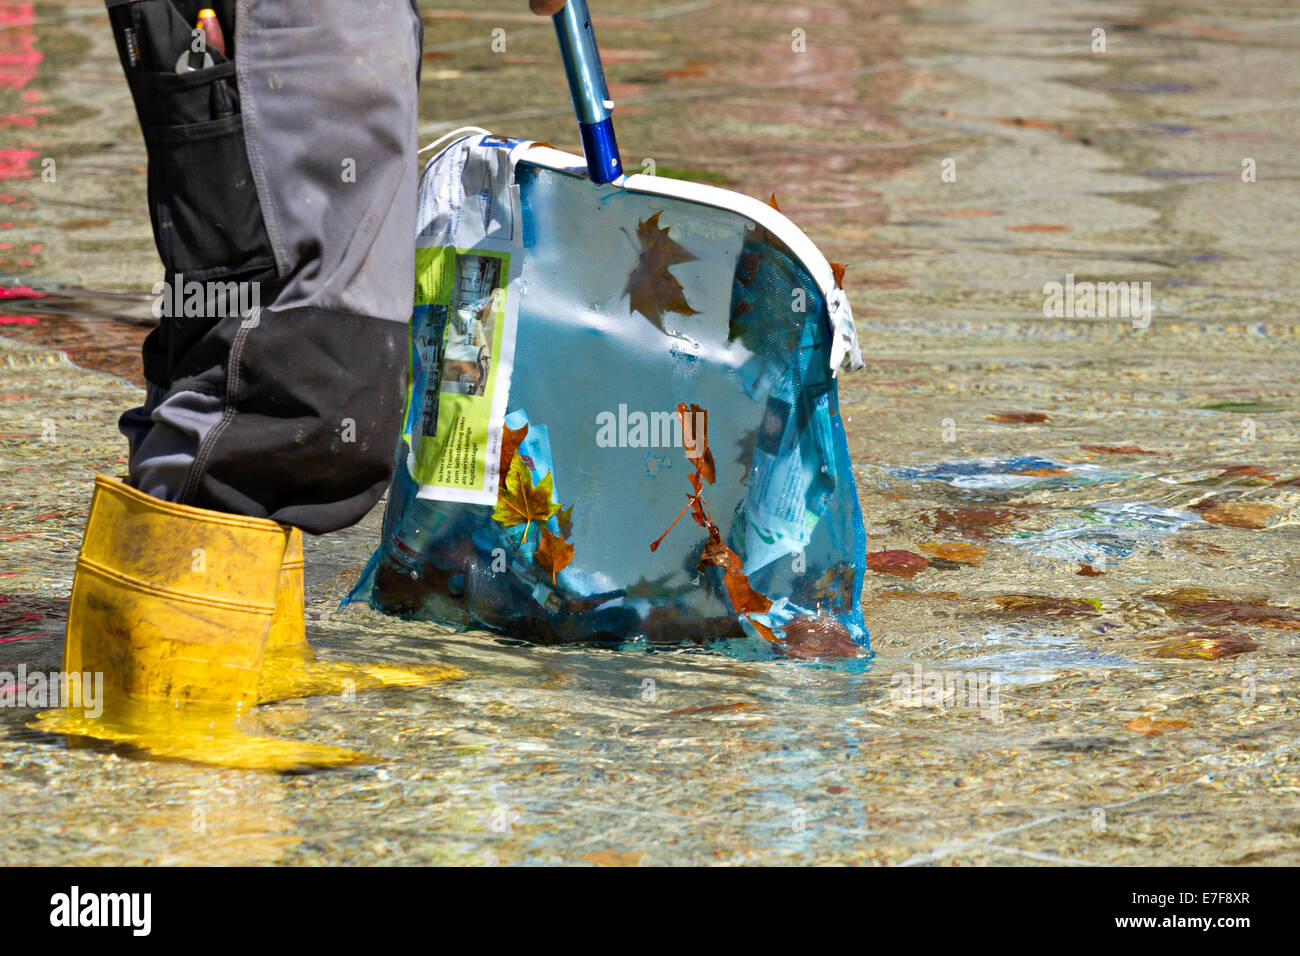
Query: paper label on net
{"x": 467, "y": 267}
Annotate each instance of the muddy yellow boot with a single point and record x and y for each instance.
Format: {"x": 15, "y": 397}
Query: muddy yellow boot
{"x": 288, "y": 625}
{"x": 170, "y": 602}
{"x": 173, "y": 606}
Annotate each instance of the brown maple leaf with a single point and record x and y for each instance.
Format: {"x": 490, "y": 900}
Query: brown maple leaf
{"x": 511, "y": 439}
{"x": 522, "y": 502}
{"x": 553, "y": 553}
{"x": 652, "y": 289}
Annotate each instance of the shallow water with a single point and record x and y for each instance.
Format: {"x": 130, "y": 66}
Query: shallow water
{"x": 1096, "y": 522}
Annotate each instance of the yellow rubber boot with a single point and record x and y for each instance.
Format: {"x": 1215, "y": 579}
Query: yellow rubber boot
{"x": 288, "y": 623}
{"x": 170, "y": 602}
{"x": 173, "y": 605}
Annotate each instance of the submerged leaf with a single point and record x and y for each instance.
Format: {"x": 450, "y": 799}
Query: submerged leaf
{"x": 955, "y": 551}
{"x": 1019, "y": 418}
{"x": 1236, "y": 514}
{"x": 730, "y": 705}
{"x": 1027, "y": 604}
{"x": 903, "y": 564}
{"x": 1217, "y": 609}
{"x": 1209, "y": 647}
{"x": 613, "y": 858}
{"x": 1117, "y": 449}
{"x": 1154, "y": 728}
{"x": 971, "y": 522}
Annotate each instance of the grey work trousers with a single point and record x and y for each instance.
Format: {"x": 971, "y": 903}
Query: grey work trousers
{"x": 282, "y": 179}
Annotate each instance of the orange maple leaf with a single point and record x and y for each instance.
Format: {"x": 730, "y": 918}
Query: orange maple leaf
{"x": 522, "y": 502}
{"x": 652, "y": 289}
{"x": 553, "y": 553}
{"x": 511, "y": 439}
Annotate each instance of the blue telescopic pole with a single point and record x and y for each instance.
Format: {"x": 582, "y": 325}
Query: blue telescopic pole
{"x": 591, "y": 102}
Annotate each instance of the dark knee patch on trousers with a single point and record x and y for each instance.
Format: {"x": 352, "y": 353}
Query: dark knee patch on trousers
{"x": 312, "y": 406}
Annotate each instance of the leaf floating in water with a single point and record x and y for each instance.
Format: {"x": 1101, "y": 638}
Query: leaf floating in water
{"x": 903, "y": 564}
{"x": 522, "y": 502}
{"x": 1203, "y": 548}
{"x": 1236, "y": 514}
{"x": 613, "y": 858}
{"x": 1117, "y": 450}
{"x": 553, "y": 553}
{"x": 652, "y": 289}
{"x": 956, "y": 551}
{"x": 1019, "y": 418}
{"x": 1023, "y": 605}
{"x": 1231, "y": 471}
{"x": 1206, "y": 647}
{"x": 1242, "y": 407}
{"x": 971, "y": 522}
{"x": 1154, "y": 728}
{"x": 1038, "y": 227}
{"x": 1217, "y": 609}
{"x": 1088, "y": 571}
{"x": 730, "y": 705}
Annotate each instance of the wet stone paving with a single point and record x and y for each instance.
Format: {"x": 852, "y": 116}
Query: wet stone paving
{"x": 1083, "y": 558}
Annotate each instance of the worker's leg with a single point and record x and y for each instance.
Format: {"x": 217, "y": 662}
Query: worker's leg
{"x": 285, "y": 178}
{"x": 293, "y": 413}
